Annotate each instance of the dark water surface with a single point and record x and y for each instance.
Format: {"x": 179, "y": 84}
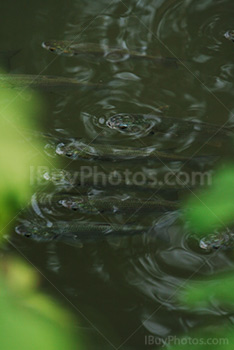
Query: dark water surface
{"x": 124, "y": 289}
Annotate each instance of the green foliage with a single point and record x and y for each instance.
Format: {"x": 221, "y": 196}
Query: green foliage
{"x": 215, "y": 207}
{"x": 18, "y": 113}
{"x": 200, "y": 293}
{"x": 212, "y": 209}
{"x": 29, "y": 319}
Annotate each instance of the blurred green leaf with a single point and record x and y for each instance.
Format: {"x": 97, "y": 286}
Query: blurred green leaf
{"x": 19, "y": 111}
{"x": 29, "y": 319}
{"x": 200, "y": 293}
{"x": 18, "y": 276}
{"x": 23, "y": 326}
{"x": 210, "y": 210}
{"x": 214, "y": 207}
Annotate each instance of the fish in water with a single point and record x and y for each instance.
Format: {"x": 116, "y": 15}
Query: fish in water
{"x": 40, "y": 81}
{"x": 132, "y": 124}
{"x": 78, "y": 231}
{"x": 218, "y": 241}
{"x": 104, "y": 205}
{"x": 229, "y": 35}
{"x": 73, "y": 49}
{"x": 79, "y": 150}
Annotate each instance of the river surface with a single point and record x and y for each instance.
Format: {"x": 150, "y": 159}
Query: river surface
{"x": 123, "y": 290}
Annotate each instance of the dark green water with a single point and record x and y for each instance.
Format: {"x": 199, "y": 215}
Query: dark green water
{"x": 123, "y": 290}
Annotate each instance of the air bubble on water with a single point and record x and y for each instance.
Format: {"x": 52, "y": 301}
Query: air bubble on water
{"x": 203, "y": 244}
{"x": 59, "y": 149}
{"x": 101, "y": 120}
{"x": 46, "y": 176}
